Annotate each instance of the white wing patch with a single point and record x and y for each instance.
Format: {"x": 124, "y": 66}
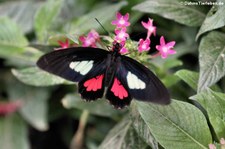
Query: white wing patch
{"x": 134, "y": 82}
{"x": 83, "y": 67}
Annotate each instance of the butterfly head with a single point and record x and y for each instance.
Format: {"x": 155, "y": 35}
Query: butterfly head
{"x": 117, "y": 47}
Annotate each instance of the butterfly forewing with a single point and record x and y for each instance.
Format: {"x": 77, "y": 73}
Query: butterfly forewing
{"x": 142, "y": 83}
{"x": 72, "y": 63}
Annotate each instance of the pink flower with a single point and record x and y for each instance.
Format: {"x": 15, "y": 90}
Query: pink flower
{"x": 212, "y": 146}
{"x": 93, "y": 34}
{"x": 9, "y": 107}
{"x": 222, "y": 141}
{"x": 90, "y": 40}
{"x": 121, "y": 34}
{"x": 87, "y": 42}
{"x": 121, "y": 21}
{"x": 165, "y": 49}
{"x": 149, "y": 26}
{"x": 144, "y": 45}
{"x": 64, "y": 45}
{"x": 123, "y": 50}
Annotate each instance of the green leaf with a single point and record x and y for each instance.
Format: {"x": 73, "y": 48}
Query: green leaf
{"x": 173, "y": 9}
{"x": 12, "y": 40}
{"x": 122, "y": 136}
{"x": 141, "y": 128}
{"x": 36, "y": 77}
{"x": 11, "y": 34}
{"x": 214, "y": 103}
{"x": 189, "y": 77}
{"x": 214, "y": 19}
{"x": 178, "y": 125}
{"x": 87, "y": 22}
{"x": 28, "y": 57}
{"x": 211, "y": 59}
{"x": 22, "y": 12}
{"x": 13, "y": 132}
{"x": 34, "y": 100}
{"x": 45, "y": 18}
{"x": 99, "y": 107}
{"x": 171, "y": 63}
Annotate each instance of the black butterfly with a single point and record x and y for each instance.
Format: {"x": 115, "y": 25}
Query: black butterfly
{"x": 96, "y": 69}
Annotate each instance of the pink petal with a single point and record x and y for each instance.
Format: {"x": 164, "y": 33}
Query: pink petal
{"x": 163, "y": 55}
{"x": 141, "y": 41}
{"x": 126, "y": 17}
{"x": 123, "y": 50}
{"x": 82, "y": 38}
{"x": 114, "y": 22}
{"x": 158, "y": 47}
{"x": 93, "y": 34}
{"x": 118, "y": 15}
{"x": 171, "y": 52}
{"x": 117, "y": 31}
{"x": 162, "y": 41}
{"x": 212, "y": 146}
{"x": 9, "y": 107}
{"x": 171, "y": 44}
{"x": 222, "y": 141}
{"x": 147, "y": 41}
{"x": 145, "y": 25}
{"x": 124, "y": 29}
{"x": 150, "y": 22}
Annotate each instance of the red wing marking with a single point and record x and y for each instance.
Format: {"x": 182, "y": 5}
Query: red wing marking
{"x": 118, "y": 89}
{"x": 94, "y": 84}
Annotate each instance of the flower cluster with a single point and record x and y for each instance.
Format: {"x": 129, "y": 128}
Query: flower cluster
{"x": 90, "y": 40}
{"x": 122, "y": 22}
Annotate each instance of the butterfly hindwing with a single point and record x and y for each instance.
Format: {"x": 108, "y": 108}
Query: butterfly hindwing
{"x": 118, "y": 92}
{"x": 142, "y": 83}
{"x": 72, "y": 63}
{"x": 91, "y": 87}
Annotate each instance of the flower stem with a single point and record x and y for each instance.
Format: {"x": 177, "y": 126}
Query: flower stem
{"x": 155, "y": 55}
{"x": 77, "y": 140}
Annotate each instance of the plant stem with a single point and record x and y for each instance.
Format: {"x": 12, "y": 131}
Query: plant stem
{"x": 77, "y": 140}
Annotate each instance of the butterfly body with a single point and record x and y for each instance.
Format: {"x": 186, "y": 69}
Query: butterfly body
{"x": 96, "y": 69}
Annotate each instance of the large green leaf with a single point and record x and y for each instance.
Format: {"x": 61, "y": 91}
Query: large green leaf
{"x": 34, "y": 103}
{"x": 13, "y": 132}
{"x": 173, "y": 9}
{"x": 142, "y": 129}
{"x": 88, "y": 22}
{"x": 211, "y": 59}
{"x": 214, "y": 103}
{"x": 12, "y": 40}
{"x": 122, "y": 136}
{"x": 99, "y": 107}
{"x": 28, "y": 57}
{"x": 178, "y": 125}
{"x": 189, "y": 77}
{"x": 22, "y": 12}
{"x": 215, "y": 19}
{"x": 36, "y": 77}
{"x": 45, "y": 18}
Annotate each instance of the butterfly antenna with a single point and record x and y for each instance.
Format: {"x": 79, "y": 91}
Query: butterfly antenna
{"x": 102, "y": 26}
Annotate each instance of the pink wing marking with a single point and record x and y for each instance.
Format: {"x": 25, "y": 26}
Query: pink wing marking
{"x": 119, "y": 90}
{"x": 94, "y": 84}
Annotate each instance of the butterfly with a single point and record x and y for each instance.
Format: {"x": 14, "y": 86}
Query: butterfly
{"x": 95, "y": 69}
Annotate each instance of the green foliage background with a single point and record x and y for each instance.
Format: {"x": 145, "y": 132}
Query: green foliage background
{"x": 194, "y": 76}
